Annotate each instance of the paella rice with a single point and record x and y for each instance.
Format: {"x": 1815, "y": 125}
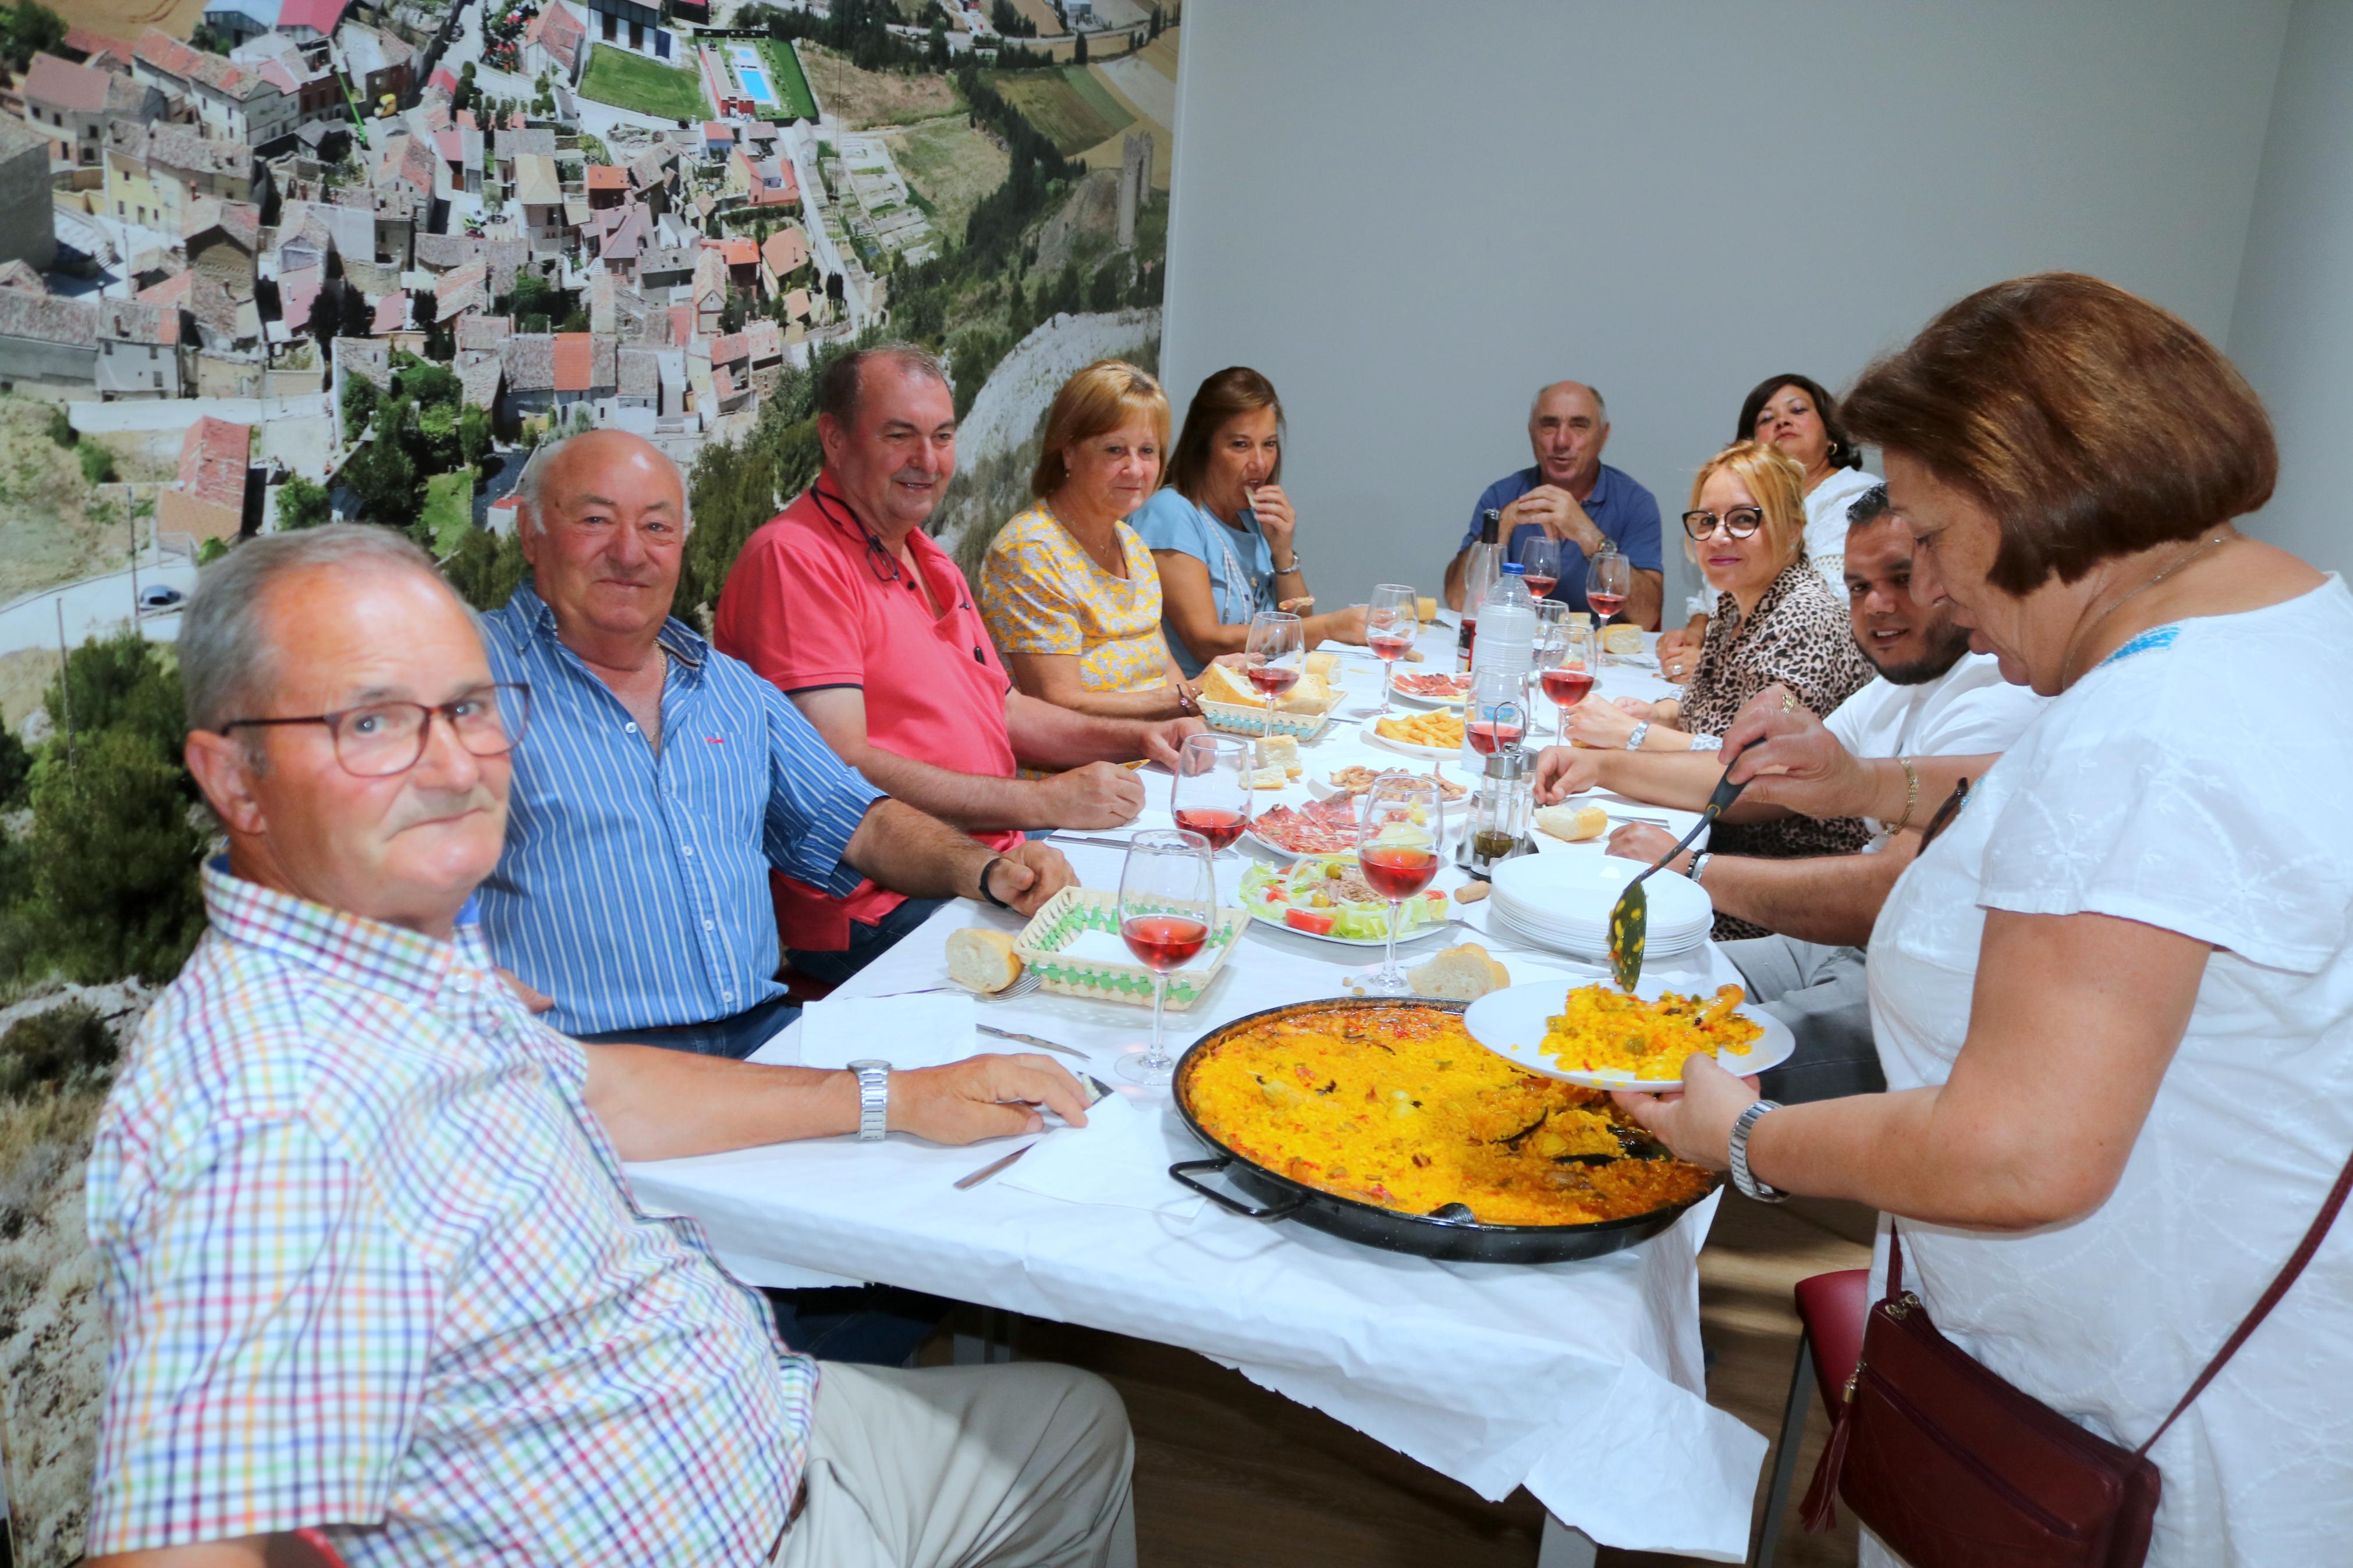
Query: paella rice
{"x": 1603, "y": 1029}
{"x": 1397, "y": 1105}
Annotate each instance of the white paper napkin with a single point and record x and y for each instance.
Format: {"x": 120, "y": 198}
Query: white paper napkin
{"x": 905, "y": 1031}
{"x": 1121, "y": 1157}
{"x": 1109, "y": 947}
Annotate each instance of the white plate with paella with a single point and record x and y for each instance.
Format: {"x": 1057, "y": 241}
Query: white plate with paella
{"x": 1599, "y": 1036}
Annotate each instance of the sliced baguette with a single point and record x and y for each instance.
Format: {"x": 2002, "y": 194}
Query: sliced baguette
{"x": 1220, "y": 684}
{"x": 982, "y": 959}
{"x": 1575, "y": 824}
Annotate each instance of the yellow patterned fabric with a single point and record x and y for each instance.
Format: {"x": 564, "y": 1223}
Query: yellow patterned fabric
{"x": 1039, "y": 592}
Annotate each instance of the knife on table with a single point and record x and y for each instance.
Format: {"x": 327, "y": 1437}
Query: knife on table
{"x": 1030, "y": 1040}
{"x": 1100, "y": 1090}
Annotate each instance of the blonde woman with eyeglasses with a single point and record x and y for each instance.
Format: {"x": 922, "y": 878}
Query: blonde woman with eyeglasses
{"x": 1775, "y": 623}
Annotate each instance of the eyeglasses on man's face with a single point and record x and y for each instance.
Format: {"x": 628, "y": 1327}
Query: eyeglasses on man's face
{"x": 382, "y": 739}
{"x": 1739, "y": 523}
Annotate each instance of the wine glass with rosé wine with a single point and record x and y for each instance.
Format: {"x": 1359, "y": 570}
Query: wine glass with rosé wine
{"x": 1607, "y": 580}
{"x": 1277, "y": 654}
{"x": 1539, "y": 556}
{"x": 1403, "y": 826}
{"x": 1566, "y": 660}
{"x": 1210, "y": 795}
{"x": 1167, "y": 900}
{"x": 1392, "y": 621}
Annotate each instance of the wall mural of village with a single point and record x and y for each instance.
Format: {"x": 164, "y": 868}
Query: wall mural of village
{"x": 268, "y": 263}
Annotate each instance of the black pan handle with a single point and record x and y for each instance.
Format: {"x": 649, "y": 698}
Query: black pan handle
{"x": 1233, "y": 1205}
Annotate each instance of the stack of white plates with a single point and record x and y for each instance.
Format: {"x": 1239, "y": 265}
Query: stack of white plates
{"x": 1563, "y": 902}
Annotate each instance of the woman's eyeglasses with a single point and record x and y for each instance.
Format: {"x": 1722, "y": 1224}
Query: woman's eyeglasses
{"x": 387, "y": 738}
{"x": 1739, "y": 523}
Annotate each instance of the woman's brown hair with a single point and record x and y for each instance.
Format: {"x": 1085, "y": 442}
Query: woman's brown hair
{"x": 1235, "y": 391}
{"x": 1095, "y": 402}
{"x": 1843, "y": 453}
{"x": 2089, "y": 422}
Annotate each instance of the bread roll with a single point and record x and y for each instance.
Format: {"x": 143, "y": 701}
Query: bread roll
{"x": 1461, "y": 973}
{"x": 982, "y": 959}
{"x": 1575, "y": 824}
{"x": 1426, "y": 608}
{"x": 1322, "y": 663}
{"x": 1622, "y": 639}
{"x": 1275, "y": 777}
{"x": 1219, "y": 684}
{"x": 1312, "y": 695}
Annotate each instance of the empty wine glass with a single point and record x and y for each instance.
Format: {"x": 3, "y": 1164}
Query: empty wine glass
{"x": 1391, "y": 622}
{"x": 1403, "y": 823}
{"x": 1210, "y": 795}
{"x": 1540, "y": 555}
{"x": 1278, "y": 656}
{"x": 1168, "y": 900}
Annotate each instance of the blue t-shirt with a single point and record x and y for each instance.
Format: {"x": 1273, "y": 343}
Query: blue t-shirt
{"x": 1623, "y": 509}
{"x": 1241, "y": 563}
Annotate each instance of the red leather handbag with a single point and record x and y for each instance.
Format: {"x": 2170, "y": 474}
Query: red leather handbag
{"x": 1954, "y": 1468}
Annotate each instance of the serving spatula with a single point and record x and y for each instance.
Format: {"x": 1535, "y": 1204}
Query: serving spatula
{"x": 1630, "y": 916}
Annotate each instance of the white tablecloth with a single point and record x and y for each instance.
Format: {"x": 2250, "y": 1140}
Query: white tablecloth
{"x": 1581, "y": 1381}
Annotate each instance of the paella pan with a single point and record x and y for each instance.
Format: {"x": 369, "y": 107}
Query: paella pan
{"x": 1383, "y": 1122}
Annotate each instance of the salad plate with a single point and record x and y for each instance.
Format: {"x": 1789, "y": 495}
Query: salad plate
{"x": 1326, "y": 897}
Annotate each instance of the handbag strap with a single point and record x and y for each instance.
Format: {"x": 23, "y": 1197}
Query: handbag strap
{"x": 2303, "y": 1254}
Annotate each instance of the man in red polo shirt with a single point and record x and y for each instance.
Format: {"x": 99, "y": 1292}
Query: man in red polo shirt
{"x": 847, "y": 606}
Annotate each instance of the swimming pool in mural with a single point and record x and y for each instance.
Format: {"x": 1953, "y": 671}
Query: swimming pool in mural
{"x": 753, "y": 79}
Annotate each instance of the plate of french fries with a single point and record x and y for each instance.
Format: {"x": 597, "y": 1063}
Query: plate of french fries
{"x": 1436, "y": 734}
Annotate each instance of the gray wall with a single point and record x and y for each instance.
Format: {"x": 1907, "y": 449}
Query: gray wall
{"x": 1411, "y": 216}
{"x": 2293, "y": 332}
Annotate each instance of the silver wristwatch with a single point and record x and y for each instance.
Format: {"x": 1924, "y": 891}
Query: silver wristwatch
{"x": 1750, "y": 1187}
{"x": 873, "y": 1098}
{"x": 1635, "y": 736}
{"x": 1699, "y": 864}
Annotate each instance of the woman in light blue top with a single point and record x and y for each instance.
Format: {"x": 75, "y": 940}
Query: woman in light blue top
{"x": 1221, "y": 533}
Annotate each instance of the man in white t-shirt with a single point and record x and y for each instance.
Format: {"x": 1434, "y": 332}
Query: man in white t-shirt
{"x": 1933, "y": 698}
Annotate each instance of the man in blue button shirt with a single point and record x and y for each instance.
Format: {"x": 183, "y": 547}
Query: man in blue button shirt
{"x": 660, "y": 779}
{"x": 1576, "y": 498}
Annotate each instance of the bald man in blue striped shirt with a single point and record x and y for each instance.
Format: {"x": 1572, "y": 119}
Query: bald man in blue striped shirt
{"x": 660, "y": 779}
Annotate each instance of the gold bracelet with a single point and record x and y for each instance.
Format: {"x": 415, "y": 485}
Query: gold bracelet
{"x": 1911, "y": 795}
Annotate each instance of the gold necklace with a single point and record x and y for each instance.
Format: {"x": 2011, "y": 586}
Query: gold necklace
{"x": 2175, "y": 564}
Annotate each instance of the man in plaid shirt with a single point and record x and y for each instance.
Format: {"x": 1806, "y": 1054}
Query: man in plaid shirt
{"x": 371, "y": 1269}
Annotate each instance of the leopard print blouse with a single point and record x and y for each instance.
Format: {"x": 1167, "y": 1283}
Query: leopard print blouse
{"x": 1799, "y": 636}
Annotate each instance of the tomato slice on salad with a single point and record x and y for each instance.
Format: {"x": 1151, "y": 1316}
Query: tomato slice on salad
{"x": 1316, "y": 922}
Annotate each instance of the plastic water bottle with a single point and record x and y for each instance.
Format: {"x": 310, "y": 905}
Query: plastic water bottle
{"x": 1504, "y": 655}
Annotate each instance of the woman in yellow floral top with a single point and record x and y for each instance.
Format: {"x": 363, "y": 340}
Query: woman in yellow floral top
{"x": 1068, "y": 591}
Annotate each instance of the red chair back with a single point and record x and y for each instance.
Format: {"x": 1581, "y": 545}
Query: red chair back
{"x": 1832, "y": 1308}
